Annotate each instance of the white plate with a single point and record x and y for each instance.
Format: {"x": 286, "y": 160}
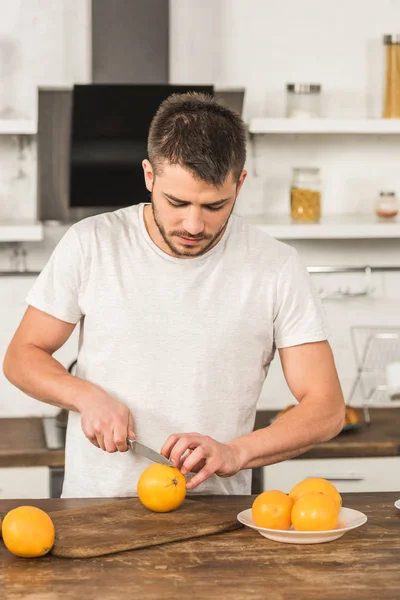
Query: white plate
{"x": 348, "y": 519}
{"x": 397, "y": 504}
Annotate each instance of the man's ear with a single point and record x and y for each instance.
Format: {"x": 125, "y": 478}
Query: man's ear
{"x": 148, "y": 175}
{"x": 242, "y": 177}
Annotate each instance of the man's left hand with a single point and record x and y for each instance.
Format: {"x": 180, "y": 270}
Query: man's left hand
{"x": 192, "y": 452}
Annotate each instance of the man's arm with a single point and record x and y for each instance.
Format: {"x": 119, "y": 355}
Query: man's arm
{"x": 30, "y": 366}
{"x": 311, "y": 375}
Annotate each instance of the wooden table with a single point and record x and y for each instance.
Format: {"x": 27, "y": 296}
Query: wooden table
{"x": 363, "y": 564}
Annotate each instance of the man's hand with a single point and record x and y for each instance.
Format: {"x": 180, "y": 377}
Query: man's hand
{"x": 192, "y": 452}
{"x": 106, "y": 422}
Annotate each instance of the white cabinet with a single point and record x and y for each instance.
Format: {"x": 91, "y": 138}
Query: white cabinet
{"x": 25, "y": 482}
{"x": 346, "y": 474}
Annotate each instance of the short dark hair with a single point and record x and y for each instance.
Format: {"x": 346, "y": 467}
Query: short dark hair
{"x": 195, "y": 131}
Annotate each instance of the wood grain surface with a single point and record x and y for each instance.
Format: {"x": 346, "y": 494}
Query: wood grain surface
{"x": 22, "y": 441}
{"x": 128, "y": 525}
{"x": 380, "y": 438}
{"x": 238, "y": 565}
{"x": 22, "y": 444}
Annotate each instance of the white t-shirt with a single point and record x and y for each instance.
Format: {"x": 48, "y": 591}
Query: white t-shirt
{"x": 185, "y": 343}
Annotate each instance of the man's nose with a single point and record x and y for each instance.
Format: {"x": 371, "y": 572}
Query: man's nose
{"x": 193, "y": 223}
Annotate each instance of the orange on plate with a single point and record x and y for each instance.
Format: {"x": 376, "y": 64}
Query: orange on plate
{"x": 161, "y": 488}
{"x": 28, "y": 531}
{"x": 272, "y": 510}
{"x": 316, "y": 484}
{"x": 315, "y": 512}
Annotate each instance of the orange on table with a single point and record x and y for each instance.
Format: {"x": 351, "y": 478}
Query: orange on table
{"x": 316, "y": 484}
{"x": 161, "y": 488}
{"x": 272, "y": 510}
{"x": 28, "y": 531}
{"x": 315, "y": 511}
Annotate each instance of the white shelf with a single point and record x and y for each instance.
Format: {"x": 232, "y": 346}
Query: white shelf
{"x": 314, "y": 126}
{"x": 17, "y": 127}
{"x": 330, "y": 227}
{"x": 21, "y": 231}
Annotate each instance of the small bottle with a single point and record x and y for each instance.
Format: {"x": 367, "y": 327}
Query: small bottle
{"x": 305, "y": 195}
{"x": 387, "y": 205}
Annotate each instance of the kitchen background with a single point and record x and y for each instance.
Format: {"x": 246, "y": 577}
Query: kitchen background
{"x": 259, "y": 46}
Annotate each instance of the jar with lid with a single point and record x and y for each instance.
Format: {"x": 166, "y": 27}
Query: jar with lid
{"x": 303, "y": 101}
{"x": 387, "y": 205}
{"x": 392, "y": 81}
{"x": 305, "y": 195}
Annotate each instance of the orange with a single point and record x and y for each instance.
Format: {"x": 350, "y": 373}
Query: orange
{"x": 161, "y": 488}
{"x": 272, "y": 510}
{"x": 314, "y": 512}
{"x": 28, "y": 531}
{"x": 316, "y": 484}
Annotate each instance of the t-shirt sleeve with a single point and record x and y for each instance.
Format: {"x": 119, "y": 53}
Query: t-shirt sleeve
{"x": 299, "y": 316}
{"x": 57, "y": 289}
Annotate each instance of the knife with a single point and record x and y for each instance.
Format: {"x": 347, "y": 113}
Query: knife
{"x": 148, "y": 452}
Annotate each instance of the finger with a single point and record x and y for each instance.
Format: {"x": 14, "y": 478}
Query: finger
{"x": 108, "y": 440}
{"x": 92, "y": 438}
{"x": 119, "y": 437}
{"x": 100, "y": 440}
{"x": 131, "y": 427}
{"x": 89, "y": 432}
{"x": 194, "y": 460}
{"x": 188, "y": 441}
{"x": 201, "y": 476}
{"x": 184, "y": 457}
{"x": 171, "y": 441}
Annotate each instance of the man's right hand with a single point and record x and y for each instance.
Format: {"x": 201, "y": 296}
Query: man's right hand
{"x": 106, "y": 422}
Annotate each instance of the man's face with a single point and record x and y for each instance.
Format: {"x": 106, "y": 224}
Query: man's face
{"x": 189, "y": 216}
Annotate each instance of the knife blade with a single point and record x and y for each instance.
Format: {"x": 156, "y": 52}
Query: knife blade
{"x": 148, "y": 452}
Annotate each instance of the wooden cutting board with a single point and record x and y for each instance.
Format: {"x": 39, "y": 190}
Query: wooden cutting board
{"x": 127, "y": 525}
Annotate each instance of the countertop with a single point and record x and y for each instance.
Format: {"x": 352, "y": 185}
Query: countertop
{"x": 22, "y": 441}
{"x": 240, "y": 564}
{"x": 380, "y": 438}
{"x": 22, "y": 444}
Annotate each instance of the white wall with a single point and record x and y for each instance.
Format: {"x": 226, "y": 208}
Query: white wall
{"x": 261, "y": 45}
{"x": 42, "y": 42}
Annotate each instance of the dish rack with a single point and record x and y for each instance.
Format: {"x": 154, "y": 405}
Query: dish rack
{"x": 374, "y": 348}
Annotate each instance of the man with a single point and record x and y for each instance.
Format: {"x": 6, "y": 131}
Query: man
{"x": 181, "y": 306}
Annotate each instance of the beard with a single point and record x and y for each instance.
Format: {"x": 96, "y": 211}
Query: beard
{"x": 209, "y": 239}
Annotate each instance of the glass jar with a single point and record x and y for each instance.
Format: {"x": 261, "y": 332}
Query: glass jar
{"x": 387, "y": 205}
{"x": 305, "y": 195}
{"x": 303, "y": 101}
{"x": 392, "y": 83}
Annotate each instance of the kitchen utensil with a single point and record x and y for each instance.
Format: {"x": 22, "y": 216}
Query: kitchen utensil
{"x": 126, "y": 524}
{"x": 348, "y": 519}
{"x": 148, "y": 452}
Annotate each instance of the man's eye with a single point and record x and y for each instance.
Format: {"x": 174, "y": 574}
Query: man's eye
{"x": 213, "y": 208}
{"x": 176, "y": 205}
